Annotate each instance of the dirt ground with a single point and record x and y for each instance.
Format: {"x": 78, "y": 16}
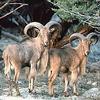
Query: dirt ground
{"x": 88, "y": 85}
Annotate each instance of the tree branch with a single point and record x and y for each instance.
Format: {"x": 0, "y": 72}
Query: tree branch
{"x": 5, "y": 5}
{"x": 13, "y": 11}
{"x": 11, "y": 36}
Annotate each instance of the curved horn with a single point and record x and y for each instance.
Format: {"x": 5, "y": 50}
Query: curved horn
{"x": 93, "y": 37}
{"x": 32, "y": 25}
{"x": 77, "y": 35}
{"x": 54, "y": 24}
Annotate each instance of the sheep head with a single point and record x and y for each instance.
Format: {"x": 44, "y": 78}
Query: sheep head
{"x": 40, "y": 30}
{"x": 84, "y": 42}
{"x": 55, "y": 30}
{"x": 52, "y": 29}
{"x": 33, "y": 25}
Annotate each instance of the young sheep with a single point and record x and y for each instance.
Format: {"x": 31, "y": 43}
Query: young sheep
{"x": 29, "y": 52}
{"x": 69, "y": 60}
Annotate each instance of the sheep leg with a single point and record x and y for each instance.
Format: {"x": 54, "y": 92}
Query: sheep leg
{"x": 83, "y": 66}
{"x": 43, "y": 62}
{"x": 7, "y": 67}
{"x": 7, "y": 73}
{"x": 27, "y": 71}
{"x": 9, "y": 83}
{"x": 65, "y": 78}
{"x": 9, "y": 87}
{"x": 31, "y": 82}
{"x": 17, "y": 73}
{"x": 32, "y": 77}
{"x": 53, "y": 72}
{"x": 74, "y": 78}
{"x": 51, "y": 79}
{"x": 16, "y": 77}
{"x": 8, "y": 77}
{"x": 13, "y": 86}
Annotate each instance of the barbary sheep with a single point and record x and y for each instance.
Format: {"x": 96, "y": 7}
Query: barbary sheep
{"x": 69, "y": 60}
{"x": 29, "y": 52}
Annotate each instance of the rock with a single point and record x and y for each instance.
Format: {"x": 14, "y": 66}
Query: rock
{"x": 1, "y": 65}
{"x": 94, "y": 83}
{"x": 92, "y": 93}
{"x": 93, "y": 67}
{"x": 89, "y": 82}
{"x": 94, "y": 55}
{"x": 0, "y": 54}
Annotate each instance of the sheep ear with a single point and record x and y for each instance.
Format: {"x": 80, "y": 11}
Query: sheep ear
{"x": 94, "y": 39}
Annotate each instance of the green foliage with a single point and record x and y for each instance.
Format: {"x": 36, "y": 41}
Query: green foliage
{"x": 87, "y": 11}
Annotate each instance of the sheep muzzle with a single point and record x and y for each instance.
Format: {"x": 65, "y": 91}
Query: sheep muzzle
{"x": 87, "y": 53}
{"x": 46, "y": 44}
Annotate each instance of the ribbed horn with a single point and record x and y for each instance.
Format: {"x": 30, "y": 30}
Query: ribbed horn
{"x": 34, "y": 25}
{"x": 93, "y": 37}
{"x": 77, "y": 35}
{"x": 54, "y": 24}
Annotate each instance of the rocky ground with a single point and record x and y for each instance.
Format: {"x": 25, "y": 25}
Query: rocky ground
{"x": 88, "y": 85}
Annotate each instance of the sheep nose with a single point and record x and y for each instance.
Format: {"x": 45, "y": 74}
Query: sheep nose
{"x": 87, "y": 53}
{"x": 46, "y": 44}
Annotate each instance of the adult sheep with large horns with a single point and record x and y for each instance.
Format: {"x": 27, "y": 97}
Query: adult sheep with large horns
{"x": 71, "y": 60}
{"x": 29, "y": 52}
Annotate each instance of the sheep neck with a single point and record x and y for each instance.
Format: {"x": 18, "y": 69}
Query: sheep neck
{"x": 80, "y": 51}
{"x": 40, "y": 43}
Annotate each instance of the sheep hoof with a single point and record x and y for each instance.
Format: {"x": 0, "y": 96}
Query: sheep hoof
{"x": 76, "y": 93}
{"x": 30, "y": 91}
{"x": 53, "y": 95}
{"x": 18, "y": 94}
{"x": 9, "y": 94}
{"x": 66, "y": 94}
